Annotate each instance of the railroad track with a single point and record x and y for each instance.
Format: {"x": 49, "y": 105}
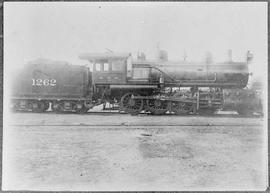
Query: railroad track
{"x": 145, "y": 114}
{"x": 135, "y": 125}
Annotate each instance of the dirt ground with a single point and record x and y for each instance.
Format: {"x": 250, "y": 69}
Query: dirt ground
{"x": 123, "y": 152}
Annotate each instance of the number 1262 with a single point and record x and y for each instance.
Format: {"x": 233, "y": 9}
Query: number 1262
{"x": 43, "y": 82}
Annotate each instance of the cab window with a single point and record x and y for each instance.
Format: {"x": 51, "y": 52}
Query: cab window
{"x": 106, "y": 66}
{"x": 141, "y": 73}
{"x": 98, "y": 66}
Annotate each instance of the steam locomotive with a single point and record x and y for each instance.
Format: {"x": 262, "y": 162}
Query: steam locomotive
{"x": 155, "y": 86}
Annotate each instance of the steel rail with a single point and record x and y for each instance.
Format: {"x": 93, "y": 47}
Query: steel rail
{"x": 134, "y": 125}
{"x": 142, "y": 114}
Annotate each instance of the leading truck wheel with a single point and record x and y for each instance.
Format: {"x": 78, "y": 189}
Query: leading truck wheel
{"x": 181, "y": 108}
{"x": 131, "y": 105}
{"x": 244, "y": 110}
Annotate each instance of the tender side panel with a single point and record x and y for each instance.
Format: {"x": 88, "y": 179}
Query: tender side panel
{"x": 45, "y": 81}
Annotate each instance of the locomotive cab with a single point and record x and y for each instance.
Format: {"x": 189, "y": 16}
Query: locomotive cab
{"x": 119, "y": 69}
{"x": 115, "y": 75}
{"x": 108, "y": 68}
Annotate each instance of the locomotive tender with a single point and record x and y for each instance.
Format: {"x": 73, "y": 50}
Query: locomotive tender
{"x": 137, "y": 85}
{"x": 65, "y": 86}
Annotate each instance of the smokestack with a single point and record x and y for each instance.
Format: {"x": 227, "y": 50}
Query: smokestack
{"x": 229, "y": 55}
{"x": 208, "y": 58}
{"x": 163, "y": 55}
{"x": 249, "y": 56}
{"x": 141, "y": 56}
{"x": 185, "y": 55}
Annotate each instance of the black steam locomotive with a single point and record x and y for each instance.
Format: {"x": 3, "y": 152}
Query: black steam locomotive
{"x": 155, "y": 86}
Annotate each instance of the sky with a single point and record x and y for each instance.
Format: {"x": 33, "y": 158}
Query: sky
{"x": 63, "y": 30}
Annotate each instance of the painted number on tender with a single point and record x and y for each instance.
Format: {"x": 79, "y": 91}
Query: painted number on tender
{"x": 43, "y": 82}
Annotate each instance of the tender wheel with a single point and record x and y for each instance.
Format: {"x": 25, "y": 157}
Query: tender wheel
{"x": 58, "y": 107}
{"x": 157, "y": 107}
{"x": 130, "y": 105}
{"x": 80, "y": 108}
{"x": 47, "y": 105}
{"x": 23, "y": 105}
{"x": 14, "y": 106}
{"x": 181, "y": 108}
{"x": 37, "y": 106}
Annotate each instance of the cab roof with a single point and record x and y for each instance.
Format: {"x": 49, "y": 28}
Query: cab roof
{"x": 100, "y": 56}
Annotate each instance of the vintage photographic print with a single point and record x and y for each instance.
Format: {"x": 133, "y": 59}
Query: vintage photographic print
{"x": 135, "y": 96}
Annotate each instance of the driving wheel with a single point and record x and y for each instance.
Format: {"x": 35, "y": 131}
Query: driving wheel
{"x": 131, "y": 105}
{"x": 157, "y": 107}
